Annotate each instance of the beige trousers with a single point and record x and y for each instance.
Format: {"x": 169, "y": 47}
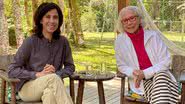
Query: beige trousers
{"x": 49, "y": 88}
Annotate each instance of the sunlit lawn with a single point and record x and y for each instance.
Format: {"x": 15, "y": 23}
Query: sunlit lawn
{"x": 178, "y": 38}
{"x": 99, "y": 51}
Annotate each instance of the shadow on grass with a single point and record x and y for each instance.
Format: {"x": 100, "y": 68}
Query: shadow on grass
{"x": 96, "y": 53}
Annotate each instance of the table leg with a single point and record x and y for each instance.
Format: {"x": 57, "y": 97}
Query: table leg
{"x": 80, "y": 92}
{"x": 72, "y": 92}
{"x": 122, "y": 90}
{"x": 101, "y": 92}
{"x": 183, "y": 94}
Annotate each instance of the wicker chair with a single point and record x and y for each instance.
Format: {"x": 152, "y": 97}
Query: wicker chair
{"x": 5, "y": 60}
{"x": 178, "y": 70}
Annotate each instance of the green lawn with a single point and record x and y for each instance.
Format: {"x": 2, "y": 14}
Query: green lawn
{"x": 178, "y": 38}
{"x": 98, "y": 52}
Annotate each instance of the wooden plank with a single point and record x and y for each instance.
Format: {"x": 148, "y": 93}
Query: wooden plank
{"x": 111, "y": 90}
{"x": 112, "y": 93}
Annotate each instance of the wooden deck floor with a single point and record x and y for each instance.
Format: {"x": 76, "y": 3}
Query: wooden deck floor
{"x": 111, "y": 90}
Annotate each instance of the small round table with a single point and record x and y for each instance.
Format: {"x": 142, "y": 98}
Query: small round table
{"x": 84, "y": 76}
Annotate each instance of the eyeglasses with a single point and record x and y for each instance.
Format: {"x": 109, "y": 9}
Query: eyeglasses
{"x": 130, "y": 19}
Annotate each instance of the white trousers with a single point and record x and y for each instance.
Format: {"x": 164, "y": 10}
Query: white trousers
{"x": 49, "y": 89}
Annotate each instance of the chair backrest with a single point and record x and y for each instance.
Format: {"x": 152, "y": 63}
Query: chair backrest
{"x": 178, "y": 65}
{"x": 5, "y": 60}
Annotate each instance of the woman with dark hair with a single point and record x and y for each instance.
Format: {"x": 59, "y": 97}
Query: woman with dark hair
{"x": 43, "y": 59}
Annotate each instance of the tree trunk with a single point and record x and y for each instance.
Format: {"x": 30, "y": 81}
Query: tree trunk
{"x": 34, "y": 6}
{"x": 104, "y": 21}
{"x": 154, "y": 9}
{"x": 27, "y": 15}
{"x": 76, "y": 24}
{"x": 17, "y": 21}
{"x": 68, "y": 25}
{"x": 4, "y": 43}
{"x": 61, "y": 4}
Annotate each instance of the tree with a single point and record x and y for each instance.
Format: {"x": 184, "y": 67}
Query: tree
{"x": 34, "y": 6}
{"x": 106, "y": 14}
{"x": 27, "y": 15}
{"x": 87, "y": 15}
{"x": 61, "y": 4}
{"x": 155, "y": 9}
{"x": 76, "y": 23}
{"x": 17, "y": 21}
{"x": 4, "y": 43}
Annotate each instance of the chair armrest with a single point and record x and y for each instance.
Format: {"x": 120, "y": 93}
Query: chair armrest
{"x": 182, "y": 77}
{"x": 121, "y": 75}
{"x": 4, "y": 76}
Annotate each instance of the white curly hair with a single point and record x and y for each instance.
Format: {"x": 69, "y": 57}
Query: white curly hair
{"x": 136, "y": 10}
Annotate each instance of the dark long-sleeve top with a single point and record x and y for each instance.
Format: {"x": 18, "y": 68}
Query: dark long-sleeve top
{"x": 35, "y": 53}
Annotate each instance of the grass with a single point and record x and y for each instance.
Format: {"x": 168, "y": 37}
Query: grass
{"x": 100, "y": 51}
{"x": 96, "y": 53}
{"x": 177, "y": 38}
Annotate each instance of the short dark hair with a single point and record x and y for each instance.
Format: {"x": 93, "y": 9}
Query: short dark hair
{"x": 40, "y": 12}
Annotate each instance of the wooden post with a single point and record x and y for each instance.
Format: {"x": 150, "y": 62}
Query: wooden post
{"x": 122, "y": 3}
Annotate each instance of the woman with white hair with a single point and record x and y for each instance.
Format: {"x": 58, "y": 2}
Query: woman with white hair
{"x": 144, "y": 58}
